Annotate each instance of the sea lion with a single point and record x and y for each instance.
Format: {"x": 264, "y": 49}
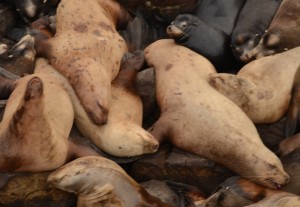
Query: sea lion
{"x": 101, "y": 182}
{"x": 7, "y": 19}
{"x": 262, "y": 88}
{"x": 219, "y": 14}
{"x": 283, "y": 32}
{"x": 193, "y": 119}
{"x": 122, "y": 135}
{"x": 20, "y": 58}
{"x": 252, "y": 22}
{"x": 237, "y": 192}
{"x": 34, "y": 131}
{"x": 87, "y": 50}
{"x": 213, "y": 43}
{"x": 289, "y": 144}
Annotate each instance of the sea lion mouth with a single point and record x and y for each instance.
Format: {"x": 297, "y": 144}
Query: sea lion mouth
{"x": 174, "y": 32}
{"x": 275, "y": 184}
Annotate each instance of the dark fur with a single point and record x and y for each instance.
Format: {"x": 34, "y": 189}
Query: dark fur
{"x": 283, "y": 32}
{"x": 252, "y": 22}
{"x": 219, "y": 13}
{"x": 206, "y": 40}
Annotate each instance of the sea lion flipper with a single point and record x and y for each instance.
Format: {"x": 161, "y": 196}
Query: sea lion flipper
{"x": 159, "y": 129}
{"x": 76, "y": 151}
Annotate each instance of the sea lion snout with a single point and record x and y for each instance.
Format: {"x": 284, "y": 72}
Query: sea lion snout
{"x": 173, "y": 31}
{"x": 34, "y": 89}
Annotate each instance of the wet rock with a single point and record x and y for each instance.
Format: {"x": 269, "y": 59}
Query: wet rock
{"x": 32, "y": 189}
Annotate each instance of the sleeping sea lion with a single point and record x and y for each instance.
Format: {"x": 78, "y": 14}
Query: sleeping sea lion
{"x": 283, "y": 32}
{"x": 122, "y": 135}
{"x": 100, "y": 182}
{"x": 252, "y": 22}
{"x": 213, "y": 43}
{"x": 34, "y": 131}
{"x": 87, "y": 50}
{"x": 238, "y": 192}
{"x": 262, "y": 88}
{"x": 193, "y": 119}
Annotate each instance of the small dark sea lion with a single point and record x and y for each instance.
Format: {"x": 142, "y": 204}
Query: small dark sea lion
{"x": 213, "y": 43}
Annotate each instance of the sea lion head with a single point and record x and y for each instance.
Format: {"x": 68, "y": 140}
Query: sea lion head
{"x": 242, "y": 46}
{"x": 180, "y": 28}
{"x": 268, "y": 171}
{"x": 269, "y": 44}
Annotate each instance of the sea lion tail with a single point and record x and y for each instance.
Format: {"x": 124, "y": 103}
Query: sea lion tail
{"x": 293, "y": 117}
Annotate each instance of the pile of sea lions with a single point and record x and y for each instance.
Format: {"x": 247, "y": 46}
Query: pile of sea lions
{"x": 217, "y": 69}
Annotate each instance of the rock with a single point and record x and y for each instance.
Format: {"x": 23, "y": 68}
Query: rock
{"x": 32, "y": 189}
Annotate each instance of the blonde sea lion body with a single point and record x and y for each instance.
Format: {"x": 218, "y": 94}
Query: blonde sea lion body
{"x": 87, "y": 50}
{"x": 197, "y": 118}
{"x": 100, "y": 182}
{"x": 262, "y": 88}
{"x": 34, "y": 131}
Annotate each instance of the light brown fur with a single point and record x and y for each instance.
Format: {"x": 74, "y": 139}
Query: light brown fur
{"x": 262, "y": 88}
{"x": 87, "y": 50}
{"x": 198, "y": 119}
{"x": 100, "y": 182}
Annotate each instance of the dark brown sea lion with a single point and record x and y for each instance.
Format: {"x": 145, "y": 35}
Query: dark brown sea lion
{"x": 262, "y": 88}
{"x": 34, "y": 131}
{"x": 100, "y": 182}
{"x": 251, "y": 24}
{"x": 283, "y": 32}
{"x": 87, "y": 50}
{"x": 192, "y": 118}
{"x": 20, "y": 58}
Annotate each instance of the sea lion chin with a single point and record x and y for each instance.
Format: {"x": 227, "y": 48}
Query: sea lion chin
{"x": 193, "y": 120}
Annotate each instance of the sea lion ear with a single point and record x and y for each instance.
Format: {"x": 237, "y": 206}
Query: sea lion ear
{"x": 272, "y": 40}
{"x": 34, "y": 89}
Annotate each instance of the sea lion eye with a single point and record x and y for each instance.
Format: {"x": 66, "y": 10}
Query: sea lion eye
{"x": 183, "y": 25}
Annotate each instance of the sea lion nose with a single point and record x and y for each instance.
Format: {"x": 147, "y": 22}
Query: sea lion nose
{"x": 169, "y": 28}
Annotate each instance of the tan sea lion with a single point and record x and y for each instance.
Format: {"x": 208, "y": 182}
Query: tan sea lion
{"x": 122, "y": 135}
{"x": 100, "y": 182}
{"x": 87, "y": 50}
{"x": 193, "y": 119}
{"x": 262, "y": 88}
{"x": 34, "y": 131}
